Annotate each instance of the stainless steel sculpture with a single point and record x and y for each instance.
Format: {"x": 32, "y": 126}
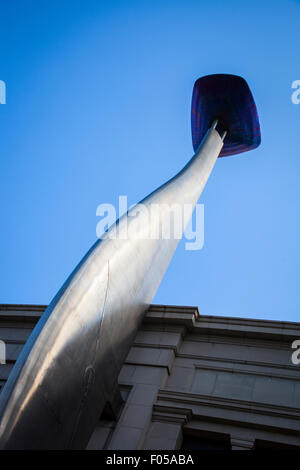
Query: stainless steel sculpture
{"x": 69, "y": 366}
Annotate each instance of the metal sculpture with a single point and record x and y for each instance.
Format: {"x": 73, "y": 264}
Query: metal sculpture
{"x": 68, "y": 369}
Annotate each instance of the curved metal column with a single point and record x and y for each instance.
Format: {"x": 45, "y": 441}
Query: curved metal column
{"x": 70, "y": 364}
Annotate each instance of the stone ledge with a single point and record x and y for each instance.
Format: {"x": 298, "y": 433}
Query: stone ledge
{"x": 227, "y": 326}
{"x": 231, "y": 403}
{"x": 13, "y": 313}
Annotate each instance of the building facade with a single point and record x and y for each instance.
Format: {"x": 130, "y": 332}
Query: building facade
{"x": 191, "y": 381}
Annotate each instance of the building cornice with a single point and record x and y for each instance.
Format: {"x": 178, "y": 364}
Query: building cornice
{"x": 225, "y": 326}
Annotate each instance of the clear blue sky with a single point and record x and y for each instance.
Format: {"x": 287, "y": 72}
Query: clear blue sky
{"x": 98, "y": 105}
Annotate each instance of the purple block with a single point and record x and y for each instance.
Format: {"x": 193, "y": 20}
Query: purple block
{"x": 227, "y": 98}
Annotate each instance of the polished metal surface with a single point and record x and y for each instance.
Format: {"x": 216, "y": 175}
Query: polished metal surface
{"x": 69, "y": 367}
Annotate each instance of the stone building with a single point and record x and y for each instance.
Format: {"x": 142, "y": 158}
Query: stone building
{"x": 192, "y": 381}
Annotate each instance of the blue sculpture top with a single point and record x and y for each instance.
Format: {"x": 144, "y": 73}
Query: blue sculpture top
{"x": 228, "y": 99}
